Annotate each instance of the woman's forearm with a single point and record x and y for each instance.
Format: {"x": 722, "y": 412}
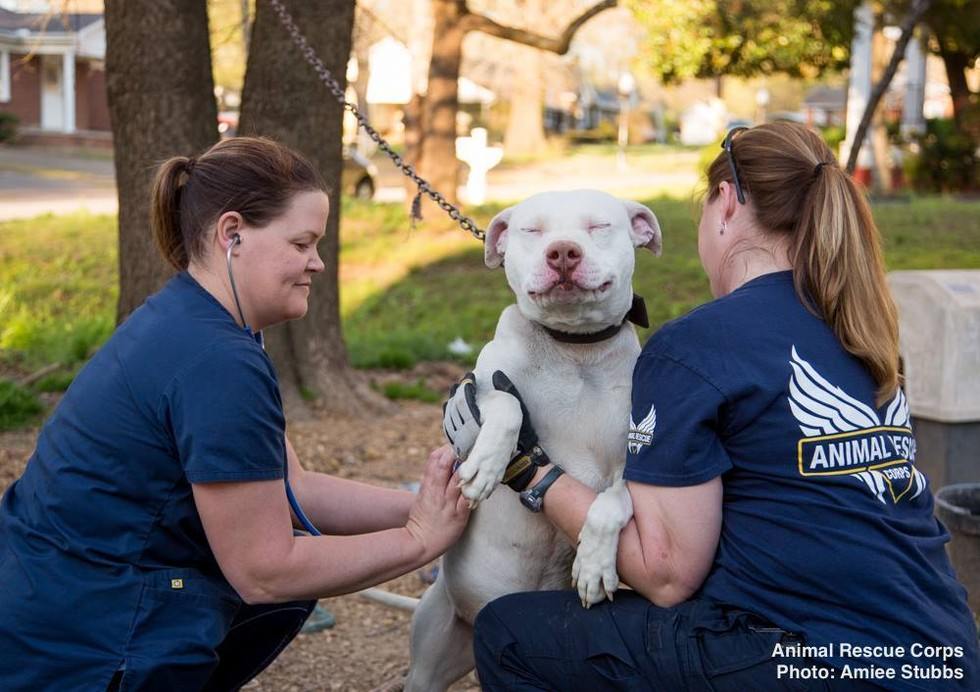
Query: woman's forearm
{"x": 567, "y": 505}
{"x": 342, "y": 507}
{"x": 323, "y": 566}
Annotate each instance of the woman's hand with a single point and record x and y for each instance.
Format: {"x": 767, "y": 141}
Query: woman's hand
{"x": 440, "y": 512}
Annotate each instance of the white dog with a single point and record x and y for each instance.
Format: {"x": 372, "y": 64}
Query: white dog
{"x": 566, "y": 347}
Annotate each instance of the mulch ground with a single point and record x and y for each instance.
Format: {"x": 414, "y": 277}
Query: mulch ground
{"x": 368, "y": 647}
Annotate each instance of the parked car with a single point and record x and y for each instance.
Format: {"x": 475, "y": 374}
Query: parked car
{"x": 359, "y": 176}
{"x": 737, "y": 122}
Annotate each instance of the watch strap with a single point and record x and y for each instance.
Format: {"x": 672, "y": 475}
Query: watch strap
{"x": 533, "y": 498}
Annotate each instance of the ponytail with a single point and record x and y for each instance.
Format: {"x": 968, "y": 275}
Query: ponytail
{"x": 170, "y": 181}
{"x": 798, "y": 191}
{"x": 837, "y": 261}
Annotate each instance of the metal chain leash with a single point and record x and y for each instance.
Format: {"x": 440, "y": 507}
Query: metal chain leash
{"x": 465, "y": 222}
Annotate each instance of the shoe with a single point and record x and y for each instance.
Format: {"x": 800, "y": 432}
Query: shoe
{"x": 320, "y": 619}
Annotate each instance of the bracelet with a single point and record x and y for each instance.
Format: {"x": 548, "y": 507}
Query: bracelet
{"x": 523, "y": 466}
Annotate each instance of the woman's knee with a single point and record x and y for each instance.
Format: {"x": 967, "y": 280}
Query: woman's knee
{"x": 488, "y": 625}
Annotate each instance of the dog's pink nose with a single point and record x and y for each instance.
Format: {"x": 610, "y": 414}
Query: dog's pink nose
{"x": 564, "y": 256}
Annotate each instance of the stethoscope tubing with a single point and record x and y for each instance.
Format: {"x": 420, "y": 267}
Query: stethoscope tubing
{"x": 293, "y": 502}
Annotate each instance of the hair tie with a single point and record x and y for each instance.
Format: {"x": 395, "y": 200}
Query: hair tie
{"x": 820, "y": 165}
{"x": 189, "y": 165}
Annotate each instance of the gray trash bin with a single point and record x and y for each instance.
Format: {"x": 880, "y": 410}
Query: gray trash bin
{"x": 939, "y": 322}
{"x": 958, "y": 507}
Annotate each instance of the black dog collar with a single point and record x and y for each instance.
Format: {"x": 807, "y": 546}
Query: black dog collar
{"x": 637, "y": 315}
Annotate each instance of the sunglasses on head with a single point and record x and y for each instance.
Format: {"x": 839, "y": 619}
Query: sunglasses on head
{"x": 727, "y": 146}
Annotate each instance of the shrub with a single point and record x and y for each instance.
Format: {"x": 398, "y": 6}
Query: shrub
{"x": 605, "y": 131}
{"x": 416, "y": 390}
{"x": 8, "y": 127}
{"x": 947, "y": 159}
{"x": 833, "y": 136}
{"x": 17, "y": 406}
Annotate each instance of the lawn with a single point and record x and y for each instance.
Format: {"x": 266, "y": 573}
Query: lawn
{"x": 415, "y": 317}
{"x": 405, "y": 294}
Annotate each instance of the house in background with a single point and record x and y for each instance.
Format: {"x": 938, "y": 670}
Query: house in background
{"x": 825, "y": 106}
{"x": 389, "y": 89}
{"x": 52, "y": 76}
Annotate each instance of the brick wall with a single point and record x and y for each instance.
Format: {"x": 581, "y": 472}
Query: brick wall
{"x": 98, "y": 100}
{"x": 91, "y": 101}
{"x": 25, "y": 90}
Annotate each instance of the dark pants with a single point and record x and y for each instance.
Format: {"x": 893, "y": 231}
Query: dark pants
{"x": 257, "y": 636}
{"x": 548, "y": 641}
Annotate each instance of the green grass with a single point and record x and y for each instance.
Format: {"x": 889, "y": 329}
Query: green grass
{"x": 405, "y": 295}
{"x": 415, "y": 318}
{"x": 416, "y": 390}
{"x": 18, "y": 406}
{"x": 58, "y": 287}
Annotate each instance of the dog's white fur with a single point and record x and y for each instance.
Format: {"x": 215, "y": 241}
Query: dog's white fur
{"x": 578, "y": 397}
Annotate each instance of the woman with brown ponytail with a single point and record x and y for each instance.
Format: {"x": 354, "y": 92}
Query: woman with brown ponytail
{"x": 782, "y": 538}
{"x": 149, "y": 544}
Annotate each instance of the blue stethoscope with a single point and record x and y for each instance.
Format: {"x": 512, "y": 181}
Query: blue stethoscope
{"x": 293, "y": 502}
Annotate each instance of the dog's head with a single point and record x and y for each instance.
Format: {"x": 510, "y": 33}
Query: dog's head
{"x": 570, "y": 256}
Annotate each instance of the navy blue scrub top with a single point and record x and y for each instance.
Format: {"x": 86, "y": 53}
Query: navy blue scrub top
{"x": 104, "y": 563}
{"x": 827, "y": 526}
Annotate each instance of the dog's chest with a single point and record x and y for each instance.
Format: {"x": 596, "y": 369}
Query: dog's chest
{"x": 581, "y": 414}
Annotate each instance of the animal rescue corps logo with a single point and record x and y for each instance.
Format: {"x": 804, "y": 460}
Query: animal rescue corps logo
{"x": 843, "y": 436}
{"x": 641, "y": 434}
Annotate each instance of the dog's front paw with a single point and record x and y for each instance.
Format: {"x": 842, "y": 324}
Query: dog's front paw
{"x": 479, "y": 476}
{"x": 594, "y": 570}
{"x": 594, "y": 573}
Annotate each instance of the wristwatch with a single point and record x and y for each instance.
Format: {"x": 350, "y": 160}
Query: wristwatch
{"x": 533, "y": 498}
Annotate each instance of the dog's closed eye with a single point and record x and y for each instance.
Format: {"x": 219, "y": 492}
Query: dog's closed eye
{"x": 598, "y": 226}
{"x": 531, "y": 230}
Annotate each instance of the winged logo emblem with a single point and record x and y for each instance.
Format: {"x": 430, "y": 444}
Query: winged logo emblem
{"x": 642, "y": 433}
{"x": 843, "y": 435}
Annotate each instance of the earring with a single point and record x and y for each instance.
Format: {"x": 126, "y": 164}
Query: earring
{"x": 724, "y": 227}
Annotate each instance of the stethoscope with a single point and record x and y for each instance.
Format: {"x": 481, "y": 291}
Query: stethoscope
{"x": 293, "y": 502}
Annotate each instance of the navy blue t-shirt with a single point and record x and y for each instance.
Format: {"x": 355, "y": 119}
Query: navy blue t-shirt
{"x": 828, "y": 527}
{"x": 103, "y": 559}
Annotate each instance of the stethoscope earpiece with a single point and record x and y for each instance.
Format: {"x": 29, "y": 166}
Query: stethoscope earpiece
{"x": 235, "y": 240}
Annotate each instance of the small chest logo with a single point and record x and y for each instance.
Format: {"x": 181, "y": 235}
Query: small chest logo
{"x": 641, "y": 433}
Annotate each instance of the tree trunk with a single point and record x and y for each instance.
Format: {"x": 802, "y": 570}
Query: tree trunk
{"x": 438, "y": 162}
{"x": 525, "y": 126}
{"x": 908, "y": 28}
{"x": 453, "y": 20}
{"x": 881, "y": 180}
{"x": 283, "y": 99}
{"x": 365, "y": 144}
{"x": 246, "y": 26}
{"x": 156, "y": 113}
{"x": 956, "y": 63}
{"x": 414, "y": 136}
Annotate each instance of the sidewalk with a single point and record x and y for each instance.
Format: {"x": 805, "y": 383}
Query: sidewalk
{"x": 642, "y": 177}
{"x": 36, "y": 181}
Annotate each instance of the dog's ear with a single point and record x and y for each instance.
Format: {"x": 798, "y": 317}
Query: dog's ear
{"x": 644, "y": 227}
{"x": 496, "y": 240}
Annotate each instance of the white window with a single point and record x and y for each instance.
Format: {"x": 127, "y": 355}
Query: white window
{"x": 4, "y": 75}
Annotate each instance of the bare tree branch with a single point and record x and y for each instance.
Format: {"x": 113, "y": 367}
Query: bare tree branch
{"x": 478, "y": 22}
{"x": 908, "y": 27}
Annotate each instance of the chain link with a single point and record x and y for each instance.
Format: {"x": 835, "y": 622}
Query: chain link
{"x": 465, "y": 222}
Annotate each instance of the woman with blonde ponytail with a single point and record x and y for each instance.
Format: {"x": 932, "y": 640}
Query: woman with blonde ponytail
{"x": 150, "y": 543}
{"x": 782, "y": 537}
